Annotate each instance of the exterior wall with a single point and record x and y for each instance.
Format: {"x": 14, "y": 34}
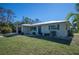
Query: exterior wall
{"x": 21, "y": 28}
{"x": 25, "y": 30}
{"x": 45, "y": 29}
{"x": 36, "y": 31}
{"x": 61, "y": 32}
{"x": 17, "y": 29}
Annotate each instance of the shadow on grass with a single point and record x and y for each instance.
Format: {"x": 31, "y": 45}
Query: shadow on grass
{"x": 66, "y": 41}
{"x": 10, "y": 34}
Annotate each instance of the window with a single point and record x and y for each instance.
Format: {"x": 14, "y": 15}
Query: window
{"x": 34, "y": 28}
{"x": 54, "y": 27}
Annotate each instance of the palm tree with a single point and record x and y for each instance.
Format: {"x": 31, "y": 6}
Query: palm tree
{"x": 75, "y": 15}
{"x": 75, "y": 21}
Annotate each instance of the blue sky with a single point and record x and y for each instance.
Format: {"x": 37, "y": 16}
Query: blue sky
{"x": 44, "y": 12}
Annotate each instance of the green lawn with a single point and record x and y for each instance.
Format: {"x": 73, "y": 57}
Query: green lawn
{"x": 28, "y": 45}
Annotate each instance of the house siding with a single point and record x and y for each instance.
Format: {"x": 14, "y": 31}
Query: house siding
{"x": 61, "y": 32}
{"x": 26, "y": 30}
{"x": 36, "y": 31}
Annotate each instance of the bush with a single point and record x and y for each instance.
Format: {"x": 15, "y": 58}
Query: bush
{"x": 46, "y": 34}
{"x": 70, "y": 33}
{"x": 6, "y": 29}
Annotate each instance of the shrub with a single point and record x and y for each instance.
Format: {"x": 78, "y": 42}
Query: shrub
{"x": 34, "y": 33}
{"x": 6, "y": 29}
{"x": 46, "y": 34}
{"x": 70, "y": 33}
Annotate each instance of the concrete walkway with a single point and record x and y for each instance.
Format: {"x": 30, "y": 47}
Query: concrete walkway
{"x": 76, "y": 33}
{"x": 1, "y": 36}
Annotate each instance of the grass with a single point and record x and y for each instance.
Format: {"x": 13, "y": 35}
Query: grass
{"x": 24, "y": 45}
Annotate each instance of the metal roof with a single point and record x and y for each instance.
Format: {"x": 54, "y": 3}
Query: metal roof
{"x": 43, "y": 23}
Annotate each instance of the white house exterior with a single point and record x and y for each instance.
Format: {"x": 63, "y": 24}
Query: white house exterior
{"x": 49, "y": 28}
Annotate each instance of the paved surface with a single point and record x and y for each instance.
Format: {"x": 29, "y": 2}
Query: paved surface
{"x": 1, "y": 36}
{"x": 76, "y": 33}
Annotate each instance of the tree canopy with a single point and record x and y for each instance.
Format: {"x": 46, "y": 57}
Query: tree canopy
{"x": 6, "y": 19}
{"x": 75, "y": 15}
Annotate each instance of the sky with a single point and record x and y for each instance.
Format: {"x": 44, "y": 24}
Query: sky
{"x": 42, "y": 11}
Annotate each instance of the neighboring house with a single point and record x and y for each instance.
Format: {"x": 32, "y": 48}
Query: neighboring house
{"x": 49, "y": 28}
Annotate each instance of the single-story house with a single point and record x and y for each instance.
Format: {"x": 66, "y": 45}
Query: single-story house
{"x": 49, "y": 28}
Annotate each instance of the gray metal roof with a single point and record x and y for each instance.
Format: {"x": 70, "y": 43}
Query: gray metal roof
{"x": 43, "y": 23}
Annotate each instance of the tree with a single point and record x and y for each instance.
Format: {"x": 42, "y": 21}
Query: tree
{"x": 37, "y": 20}
{"x": 27, "y": 20}
{"x": 6, "y": 16}
{"x": 75, "y": 20}
{"x": 2, "y": 17}
{"x": 77, "y": 7}
{"x": 75, "y": 15}
{"x": 10, "y": 14}
{"x": 2, "y": 10}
